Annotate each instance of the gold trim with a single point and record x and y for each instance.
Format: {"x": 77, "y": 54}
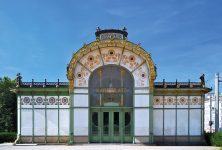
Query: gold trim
{"x": 107, "y": 43}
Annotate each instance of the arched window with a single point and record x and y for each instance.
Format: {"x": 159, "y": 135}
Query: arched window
{"x": 111, "y": 86}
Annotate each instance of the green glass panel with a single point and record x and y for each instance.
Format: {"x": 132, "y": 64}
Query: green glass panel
{"x": 105, "y": 123}
{"x": 95, "y": 120}
{"x": 127, "y": 123}
{"x": 116, "y": 123}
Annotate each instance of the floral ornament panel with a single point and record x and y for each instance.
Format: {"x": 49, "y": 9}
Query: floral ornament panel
{"x": 157, "y": 100}
{"x": 39, "y": 101}
{"x": 65, "y": 101}
{"x": 130, "y": 60}
{"x": 182, "y": 100}
{"x": 52, "y": 101}
{"x": 141, "y": 76}
{"x": 81, "y": 76}
{"x": 111, "y": 55}
{"x": 168, "y": 100}
{"x": 196, "y": 100}
{"x": 25, "y": 101}
{"x": 92, "y": 60}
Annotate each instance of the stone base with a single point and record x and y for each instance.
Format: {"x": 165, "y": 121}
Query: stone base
{"x": 178, "y": 140}
{"x": 81, "y": 139}
{"x": 44, "y": 140}
{"x": 141, "y": 139}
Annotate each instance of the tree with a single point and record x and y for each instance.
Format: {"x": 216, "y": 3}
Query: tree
{"x": 8, "y": 105}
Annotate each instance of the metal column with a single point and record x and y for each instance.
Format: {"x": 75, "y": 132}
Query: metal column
{"x": 216, "y": 102}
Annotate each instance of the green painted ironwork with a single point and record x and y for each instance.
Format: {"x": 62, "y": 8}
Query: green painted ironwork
{"x": 71, "y": 121}
{"x": 108, "y": 125}
{"x": 33, "y": 120}
{"x": 151, "y": 118}
{"x": 45, "y": 120}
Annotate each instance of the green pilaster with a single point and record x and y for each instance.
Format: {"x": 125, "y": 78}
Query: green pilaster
{"x": 71, "y": 129}
{"x": 45, "y": 119}
{"x": 58, "y": 141}
{"x": 20, "y": 117}
{"x": 151, "y": 118}
{"x": 33, "y": 119}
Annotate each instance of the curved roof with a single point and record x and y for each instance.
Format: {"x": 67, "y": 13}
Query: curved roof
{"x": 110, "y": 43}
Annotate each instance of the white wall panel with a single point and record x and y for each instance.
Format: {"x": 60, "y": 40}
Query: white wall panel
{"x": 80, "y": 100}
{"x": 141, "y": 100}
{"x": 158, "y": 122}
{"x": 182, "y": 122}
{"x": 26, "y": 122}
{"x": 195, "y": 122}
{"x": 169, "y": 122}
{"x": 39, "y": 122}
{"x": 81, "y": 121}
{"x": 141, "y": 122}
{"x": 80, "y": 90}
{"x": 52, "y": 122}
{"x": 142, "y": 90}
{"x": 64, "y": 122}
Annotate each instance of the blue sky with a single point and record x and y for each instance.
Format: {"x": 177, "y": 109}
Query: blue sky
{"x": 38, "y": 37}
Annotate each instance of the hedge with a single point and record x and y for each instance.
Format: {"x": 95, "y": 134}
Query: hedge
{"x": 214, "y": 139}
{"x": 7, "y": 137}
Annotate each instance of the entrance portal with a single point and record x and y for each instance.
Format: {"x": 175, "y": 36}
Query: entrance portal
{"x": 111, "y": 125}
{"x": 111, "y": 101}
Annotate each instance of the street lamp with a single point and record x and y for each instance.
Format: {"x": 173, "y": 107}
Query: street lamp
{"x": 217, "y": 81}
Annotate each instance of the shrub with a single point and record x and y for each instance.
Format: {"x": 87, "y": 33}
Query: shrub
{"x": 207, "y": 136}
{"x": 7, "y": 137}
{"x": 216, "y": 139}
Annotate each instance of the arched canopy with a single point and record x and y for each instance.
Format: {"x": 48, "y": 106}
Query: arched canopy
{"x": 118, "y": 52}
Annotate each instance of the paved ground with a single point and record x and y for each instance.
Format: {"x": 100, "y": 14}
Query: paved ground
{"x": 103, "y": 147}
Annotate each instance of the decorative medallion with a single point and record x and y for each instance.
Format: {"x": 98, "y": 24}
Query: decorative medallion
{"x": 132, "y": 58}
{"x": 143, "y": 75}
{"x": 52, "y": 100}
{"x": 182, "y": 101}
{"x": 65, "y": 100}
{"x": 90, "y": 58}
{"x": 169, "y": 101}
{"x": 158, "y": 101}
{"x": 26, "y": 100}
{"x": 39, "y": 100}
{"x": 195, "y": 101}
{"x": 79, "y": 75}
{"x": 111, "y": 52}
{"x": 111, "y": 55}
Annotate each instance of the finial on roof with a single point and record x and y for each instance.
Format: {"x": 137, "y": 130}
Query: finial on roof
{"x": 98, "y": 29}
{"x": 202, "y": 79}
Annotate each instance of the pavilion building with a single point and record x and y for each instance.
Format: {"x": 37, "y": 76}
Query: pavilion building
{"x": 111, "y": 97}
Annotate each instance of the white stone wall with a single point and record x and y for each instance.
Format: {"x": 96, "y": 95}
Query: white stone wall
{"x": 178, "y": 115}
{"x": 43, "y": 115}
{"x": 81, "y": 111}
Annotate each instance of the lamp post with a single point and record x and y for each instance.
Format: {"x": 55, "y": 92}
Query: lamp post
{"x": 217, "y": 80}
{"x": 210, "y": 122}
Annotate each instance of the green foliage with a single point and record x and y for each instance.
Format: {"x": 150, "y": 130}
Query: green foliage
{"x": 7, "y": 137}
{"x": 216, "y": 139}
{"x": 213, "y": 139}
{"x": 8, "y": 105}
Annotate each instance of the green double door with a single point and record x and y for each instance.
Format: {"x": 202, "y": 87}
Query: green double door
{"x": 111, "y": 125}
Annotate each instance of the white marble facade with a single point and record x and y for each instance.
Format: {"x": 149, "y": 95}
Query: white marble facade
{"x": 177, "y": 115}
{"x": 41, "y": 116}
